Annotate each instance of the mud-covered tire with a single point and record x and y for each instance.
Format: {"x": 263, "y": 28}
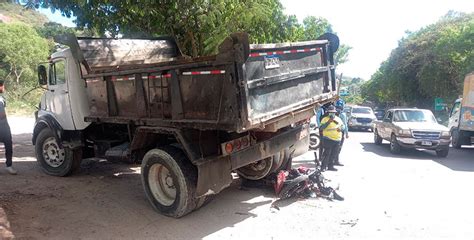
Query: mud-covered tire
{"x": 169, "y": 166}
{"x": 377, "y": 139}
{"x": 54, "y": 160}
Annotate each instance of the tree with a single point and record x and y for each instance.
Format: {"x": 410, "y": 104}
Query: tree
{"x": 427, "y": 64}
{"x": 199, "y": 26}
{"x": 21, "y": 48}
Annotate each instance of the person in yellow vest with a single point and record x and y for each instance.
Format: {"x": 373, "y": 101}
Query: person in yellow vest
{"x": 331, "y": 126}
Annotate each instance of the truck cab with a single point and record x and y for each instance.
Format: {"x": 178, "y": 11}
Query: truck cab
{"x": 461, "y": 117}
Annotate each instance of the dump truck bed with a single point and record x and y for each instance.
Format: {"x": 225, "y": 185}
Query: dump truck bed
{"x": 243, "y": 87}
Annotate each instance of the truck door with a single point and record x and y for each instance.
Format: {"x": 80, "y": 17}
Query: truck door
{"x": 454, "y": 115}
{"x": 57, "y": 96}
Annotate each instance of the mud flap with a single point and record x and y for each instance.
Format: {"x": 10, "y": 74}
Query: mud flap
{"x": 213, "y": 176}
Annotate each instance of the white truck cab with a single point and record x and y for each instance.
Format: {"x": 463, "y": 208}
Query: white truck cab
{"x": 461, "y": 117}
{"x": 65, "y": 98}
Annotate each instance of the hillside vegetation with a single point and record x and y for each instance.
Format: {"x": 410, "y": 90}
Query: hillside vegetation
{"x": 427, "y": 64}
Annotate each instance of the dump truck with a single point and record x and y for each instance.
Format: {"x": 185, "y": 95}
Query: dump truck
{"x": 190, "y": 122}
{"x": 461, "y": 120}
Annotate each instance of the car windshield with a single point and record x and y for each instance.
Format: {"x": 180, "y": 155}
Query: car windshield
{"x": 362, "y": 110}
{"x": 413, "y": 116}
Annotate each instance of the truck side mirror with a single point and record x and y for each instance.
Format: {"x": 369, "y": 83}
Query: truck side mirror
{"x": 42, "y": 75}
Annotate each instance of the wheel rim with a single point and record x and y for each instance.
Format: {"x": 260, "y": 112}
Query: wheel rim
{"x": 53, "y": 155}
{"x": 162, "y": 184}
{"x": 256, "y": 170}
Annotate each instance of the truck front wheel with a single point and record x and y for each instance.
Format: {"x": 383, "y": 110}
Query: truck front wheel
{"x": 456, "y": 138}
{"x": 53, "y": 159}
{"x": 169, "y": 181}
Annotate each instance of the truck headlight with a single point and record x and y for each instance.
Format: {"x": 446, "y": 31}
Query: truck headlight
{"x": 445, "y": 134}
{"x": 404, "y": 132}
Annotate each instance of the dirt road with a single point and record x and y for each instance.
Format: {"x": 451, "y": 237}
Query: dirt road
{"x": 415, "y": 195}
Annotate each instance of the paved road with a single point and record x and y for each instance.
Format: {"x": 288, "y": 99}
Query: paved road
{"x": 413, "y": 195}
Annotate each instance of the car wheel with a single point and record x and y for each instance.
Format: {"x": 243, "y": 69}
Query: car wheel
{"x": 394, "y": 146}
{"x": 377, "y": 139}
{"x": 443, "y": 152}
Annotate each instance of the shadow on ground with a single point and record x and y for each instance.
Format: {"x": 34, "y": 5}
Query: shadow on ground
{"x": 457, "y": 160}
{"x": 107, "y": 199}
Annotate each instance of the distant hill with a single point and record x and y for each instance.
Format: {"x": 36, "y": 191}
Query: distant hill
{"x": 10, "y": 13}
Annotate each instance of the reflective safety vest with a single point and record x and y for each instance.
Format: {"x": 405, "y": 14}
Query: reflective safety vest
{"x": 334, "y": 129}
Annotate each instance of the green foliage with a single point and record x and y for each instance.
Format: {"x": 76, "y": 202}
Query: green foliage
{"x": 428, "y": 63}
{"x": 21, "y": 48}
{"x": 51, "y": 29}
{"x": 352, "y": 85}
{"x": 199, "y": 26}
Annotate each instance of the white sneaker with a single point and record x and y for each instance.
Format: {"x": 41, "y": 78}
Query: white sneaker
{"x": 11, "y": 170}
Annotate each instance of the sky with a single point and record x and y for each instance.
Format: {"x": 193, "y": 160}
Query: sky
{"x": 371, "y": 27}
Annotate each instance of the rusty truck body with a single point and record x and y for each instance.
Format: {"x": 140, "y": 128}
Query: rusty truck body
{"x": 190, "y": 122}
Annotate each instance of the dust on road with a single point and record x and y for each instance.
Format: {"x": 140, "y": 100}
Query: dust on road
{"x": 415, "y": 195}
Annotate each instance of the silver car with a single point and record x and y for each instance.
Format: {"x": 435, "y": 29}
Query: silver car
{"x": 362, "y": 118}
{"x": 412, "y": 128}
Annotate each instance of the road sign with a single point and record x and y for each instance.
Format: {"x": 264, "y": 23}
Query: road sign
{"x": 439, "y": 104}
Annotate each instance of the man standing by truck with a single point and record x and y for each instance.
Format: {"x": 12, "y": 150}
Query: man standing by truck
{"x": 5, "y": 134}
{"x": 331, "y": 127}
{"x": 345, "y": 129}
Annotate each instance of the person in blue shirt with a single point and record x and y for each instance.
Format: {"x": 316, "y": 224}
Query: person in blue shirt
{"x": 5, "y": 133}
{"x": 320, "y": 114}
{"x": 345, "y": 129}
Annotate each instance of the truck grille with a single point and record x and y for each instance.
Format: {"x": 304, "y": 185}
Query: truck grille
{"x": 364, "y": 120}
{"x": 426, "y": 135}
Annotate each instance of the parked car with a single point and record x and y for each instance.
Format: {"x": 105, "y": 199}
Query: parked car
{"x": 361, "y": 118}
{"x": 412, "y": 128}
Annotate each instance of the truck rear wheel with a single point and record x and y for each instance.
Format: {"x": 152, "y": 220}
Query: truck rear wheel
{"x": 169, "y": 181}
{"x": 53, "y": 159}
{"x": 257, "y": 170}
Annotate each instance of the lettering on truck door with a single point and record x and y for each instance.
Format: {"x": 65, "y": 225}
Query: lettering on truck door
{"x": 57, "y": 96}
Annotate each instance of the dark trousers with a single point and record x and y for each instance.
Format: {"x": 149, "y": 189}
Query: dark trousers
{"x": 330, "y": 151}
{"x": 6, "y": 139}
{"x": 339, "y": 150}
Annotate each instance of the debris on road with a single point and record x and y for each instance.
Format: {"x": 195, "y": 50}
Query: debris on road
{"x": 301, "y": 183}
{"x": 351, "y": 223}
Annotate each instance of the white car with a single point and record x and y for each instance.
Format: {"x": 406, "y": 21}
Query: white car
{"x": 361, "y": 118}
{"x": 412, "y": 128}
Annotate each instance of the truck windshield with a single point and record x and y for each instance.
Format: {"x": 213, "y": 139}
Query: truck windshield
{"x": 362, "y": 110}
{"x": 413, "y": 116}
